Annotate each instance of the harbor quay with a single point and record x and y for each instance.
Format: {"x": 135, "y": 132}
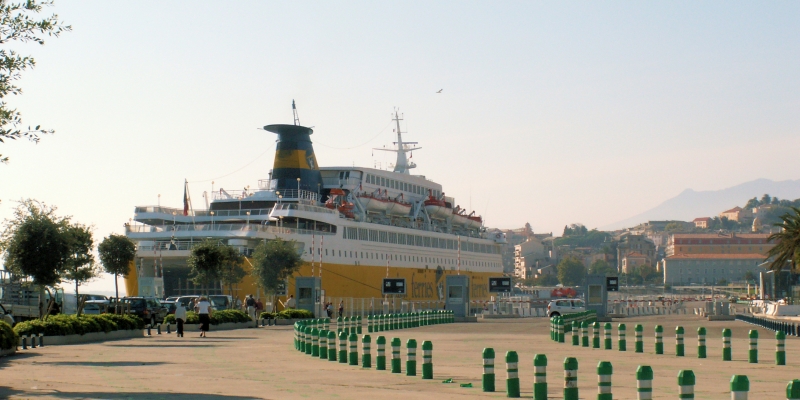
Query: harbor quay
{"x": 264, "y": 363}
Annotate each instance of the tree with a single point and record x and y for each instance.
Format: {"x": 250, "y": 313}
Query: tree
{"x": 674, "y": 227}
{"x": 545, "y": 280}
{"x": 273, "y": 262}
{"x": 232, "y": 271}
{"x": 646, "y": 272}
{"x": 787, "y": 249}
{"x": 571, "y": 271}
{"x": 80, "y": 266}
{"x": 749, "y": 276}
{"x": 35, "y": 245}
{"x": 206, "y": 261}
{"x": 17, "y": 23}
{"x": 602, "y": 267}
{"x": 765, "y": 199}
{"x": 752, "y": 203}
{"x": 116, "y": 254}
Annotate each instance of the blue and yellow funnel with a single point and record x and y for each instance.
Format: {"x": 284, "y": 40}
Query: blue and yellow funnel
{"x": 294, "y": 158}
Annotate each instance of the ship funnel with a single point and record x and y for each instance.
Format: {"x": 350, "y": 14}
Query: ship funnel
{"x": 294, "y": 158}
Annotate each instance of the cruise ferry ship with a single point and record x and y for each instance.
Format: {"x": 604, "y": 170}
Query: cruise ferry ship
{"x": 354, "y": 226}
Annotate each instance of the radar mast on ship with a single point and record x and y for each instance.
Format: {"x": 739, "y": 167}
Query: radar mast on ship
{"x": 403, "y": 164}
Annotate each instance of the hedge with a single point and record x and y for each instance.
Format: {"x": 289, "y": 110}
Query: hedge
{"x": 61, "y": 325}
{"x": 218, "y": 317}
{"x": 292, "y": 313}
{"x": 8, "y": 337}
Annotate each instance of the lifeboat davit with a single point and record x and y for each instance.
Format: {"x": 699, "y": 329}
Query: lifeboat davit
{"x": 398, "y": 207}
{"x": 336, "y": 202}
{"x": 373, "y": 202}
{"x": 438, "y": 208}
{"x": 459, "y": 219}
{"x": 474, "y": 221}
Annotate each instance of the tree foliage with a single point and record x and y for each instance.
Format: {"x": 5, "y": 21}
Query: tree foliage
{"x": 232, "y": 272}
{"x": 602, "y": 267}
{"x": 116, "y": 254}
{"x": 275, "y": 261}
{"x": 580, "y": 237}
{"x": 787, "y": 248}
{"x": 18, "y": 22}
{"x": 571, "y": 271}
{"x": 212, "y": 262}
{"x": 80, "y": 265}
{"x": 545, "y": 280}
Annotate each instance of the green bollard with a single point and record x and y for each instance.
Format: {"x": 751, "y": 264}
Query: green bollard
{"x": 380, "y": 359}
{"x": 740, "y": 386}
{"x": 369, "y": 324}
{"x": 323, "y": 344}
{"x": 570, "y": 378}
{"x": 638, "y": 331}
{"x": 411, "y": 358}
{"x": 686, "y": 384}
{"x": 780, "y": 348}
{"x": 553, "y": 328}
{"x": 622, "y": 343}
{"x": 659, "y": 339}
{"x": 793, "y": 390}
{"x": 595, "y": 335}
{"x": 752, "y": 354}
{"x": 701, "y": 342}
{"x": 604, "y": 371}
{"x": 396, "y": 356}
{"x": 427, "y": 360}
{"x": 488, "y": 369}
{"x": 342, "y": 347}
{"x": 679, "y": 349}
{"x": 366, "y": 354}
{"x": 358, "y": 325}
{"x": 584, "y": 334}
{"x": 644, "y": 383}
{"x": 607, "y": 336}
{"x": 339, "y": 325}
{"x": 309, "y": 340}
{"x": 726, "y": 345}
{"x": 331, "y": 346}
{"x": 560, "y": 322}
{"x": 576, "y": 330}
{"x": 540, "y": 377}
{"x": 512, "y": 374}
{"x": 353, "y": 355}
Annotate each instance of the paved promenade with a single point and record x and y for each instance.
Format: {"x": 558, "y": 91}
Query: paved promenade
{"x": 262, "y": 363}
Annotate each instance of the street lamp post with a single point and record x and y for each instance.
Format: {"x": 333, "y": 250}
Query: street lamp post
{"x": 173, "y": 220}
{"x": 298, "y": 188}
{"x": 212, "y": 220}
{"x": 248, "y": 220}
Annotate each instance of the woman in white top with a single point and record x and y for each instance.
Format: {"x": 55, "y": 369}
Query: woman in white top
{"x": 203, "y": 309}
{"x": 180, "y": 318}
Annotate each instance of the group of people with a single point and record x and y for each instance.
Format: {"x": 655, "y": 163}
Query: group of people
{"x": 329, "y": 309}
{"x": 204, "y": 310}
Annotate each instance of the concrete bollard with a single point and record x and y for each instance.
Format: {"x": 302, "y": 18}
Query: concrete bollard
{"x": 644, "y": 383}
{"x": 352, "y": 340}
{"x": 380, "y": 359}
{"x": 169, "y": 331}
{"x": 309, "y": 340}
{"x": 686, "y": 384}
{"x": 622, "y": 344}
{"x": 339, "y": 325}
{"x": 659, "y": 339}
{"x": 326, "y": 322}
{"x": 701, "y": 342}
{"x": 607, "y": 336}
{"x": 576, "y": 328}
{"x": 488, "y": 370}
{"x": 358, "y": 324}
{"x": 570, "y": 378}
{"x": 726, "y": 345}
{"x": 584, "y": 334}
{"x": 342, "y": 347}
{"x": 540, "y": 377}
{"x": 41, "y": 340}
{"x": 638, "y": 331}
{"x": 32, "y": 338}
{"x": 595, "y": 335}
{"x": 369, "y": 324}
{"x": 158, "y": 329}
{"x": 512, "y": 374}
{"x": 148, "y": 330}
{"x": 366, "y": 354}
{"x": 793, "y": 390}
{"x": 780, "y": 348}
{"x": 314, "y": 342}
{"x": 553, "y": 329}
{"x": 331, "y": 346}
{"x": 752, "y": 353}
{"x": 24, "y": 340}
{"x": 560, "y": 327}
{"x": 604, "y": 372}
{"x": 396, "y": 356}
{"x": 740, "y": 386}
{"x": 679, "y": 349}
{"x": 411, "y": 358}
{"x": 323, "y": 344}
{"x": 427, "y": 360}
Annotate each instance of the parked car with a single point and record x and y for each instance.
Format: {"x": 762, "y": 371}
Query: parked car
{"x": 94, "y": 307}
{"x": 187, "y": 302}
{"x": 149, "y": 309}
{"x": 95, "y": 297}
{"x": 221, "y": 302}
{"x": 564, "y": 306}
{"x": 171, "y": 298}
{"x": 169, "y": 305}
{"x": 5, "y": 315}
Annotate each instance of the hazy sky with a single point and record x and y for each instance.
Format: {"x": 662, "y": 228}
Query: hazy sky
{"x": 552, "y": 113}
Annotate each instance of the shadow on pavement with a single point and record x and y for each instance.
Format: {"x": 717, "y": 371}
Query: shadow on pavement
{"x": 102, "y": 363}
{"x": 4, "y": 361}
{"x": 160, "y": 345}
{"x": 25, "y": 394}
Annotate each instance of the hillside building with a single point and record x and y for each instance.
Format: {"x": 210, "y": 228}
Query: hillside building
{"x": 635, "y": 246}
{"x": 702, "y": 222}
{"x": 719, "y": 243}
{"x": 709, "y": 269}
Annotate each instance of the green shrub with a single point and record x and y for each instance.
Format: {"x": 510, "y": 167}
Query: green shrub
{"x": 61, "y": 325}
{"x": 267, "y": 315}
{"x": 8, "y": 337}
{"x": 218, "y": 317}
{"x": 294, "y": 313}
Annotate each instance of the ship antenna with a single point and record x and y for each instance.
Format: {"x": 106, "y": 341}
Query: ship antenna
{"x": 403, "y": 164}
{"x": 294, "y": 112}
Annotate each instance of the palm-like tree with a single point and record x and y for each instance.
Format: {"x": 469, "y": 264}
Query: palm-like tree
{"x": 787, "y": 248}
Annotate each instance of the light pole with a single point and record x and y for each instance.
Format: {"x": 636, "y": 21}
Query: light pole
{"x": 248, "y": 220}
{"x": 212, "y": 220}
{"x": 298, "y": 188}
{"x": 159, "y": 200}
{"x": 173, "y": 220}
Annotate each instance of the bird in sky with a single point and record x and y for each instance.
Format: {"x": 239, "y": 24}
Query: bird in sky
{"x": 440, "y": 91}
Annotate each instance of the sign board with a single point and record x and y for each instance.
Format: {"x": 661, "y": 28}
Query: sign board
{"x": 281, "y": 290}
{"x": 612, "y": 284}
{"x": 595, "y": 295}
{"x": 502, "y": 285}
{"x": 393, "y": 286}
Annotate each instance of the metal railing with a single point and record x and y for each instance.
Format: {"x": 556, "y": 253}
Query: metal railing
{"x": 304, "y": 207}
{"x": 178, "y": 212}
{"x": 363, "y": 306}
{"x": 206, "y": 227}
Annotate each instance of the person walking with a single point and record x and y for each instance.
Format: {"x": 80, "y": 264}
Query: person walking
{"x": 180, "y": 318}
{"x": 250, "y": 302}
{"x": 341, "y": 307}
{"x": 259, "y": 307}
{"x": 203, "y": 310}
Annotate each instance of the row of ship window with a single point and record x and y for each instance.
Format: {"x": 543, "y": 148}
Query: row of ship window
{"x": 399, "y": 185}
{"x": 403, "y": 257}
{"x": 374, "y": 235}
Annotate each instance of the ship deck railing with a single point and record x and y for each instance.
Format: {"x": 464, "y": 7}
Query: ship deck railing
{"x": 304, "y": 207}
{"x": 201, "y": 213}
{"x": 223, "y": 228}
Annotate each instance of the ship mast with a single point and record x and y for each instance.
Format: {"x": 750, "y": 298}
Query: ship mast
{"x": 403, "y": 164}
{"x": 294, "y": 113}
